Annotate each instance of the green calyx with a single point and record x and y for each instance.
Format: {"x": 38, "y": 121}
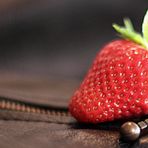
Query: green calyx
{"x": 128, "y": 31}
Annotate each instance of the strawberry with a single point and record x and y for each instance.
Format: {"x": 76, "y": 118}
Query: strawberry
{"x": 116, "y": 85}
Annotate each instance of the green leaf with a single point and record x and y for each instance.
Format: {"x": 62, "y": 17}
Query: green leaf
{"x": 127, "y": 32}
{"x": 145, "y": 27}
{"x": 128, "y": 24}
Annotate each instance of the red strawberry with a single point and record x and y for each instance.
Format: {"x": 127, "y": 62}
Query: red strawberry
{"x": 116, "y": 86}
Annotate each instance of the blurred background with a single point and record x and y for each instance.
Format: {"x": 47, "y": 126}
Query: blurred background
{"x": 59, "y": 38}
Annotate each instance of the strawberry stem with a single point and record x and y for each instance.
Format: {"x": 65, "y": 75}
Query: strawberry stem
{"x": 145, "y": 28}
{"x": 128, "y": 31}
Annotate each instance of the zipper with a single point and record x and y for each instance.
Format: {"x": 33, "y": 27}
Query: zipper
{"x": 18, "y": 106}
{"x": 26, "y": 107}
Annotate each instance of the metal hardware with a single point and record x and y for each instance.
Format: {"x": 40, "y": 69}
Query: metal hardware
{"x": 131, "y": 131}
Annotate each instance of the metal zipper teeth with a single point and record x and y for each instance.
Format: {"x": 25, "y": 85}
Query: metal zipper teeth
{"x": 22, "y": 107}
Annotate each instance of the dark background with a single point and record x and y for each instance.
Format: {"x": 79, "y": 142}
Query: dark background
{"x": 59, "y": 38}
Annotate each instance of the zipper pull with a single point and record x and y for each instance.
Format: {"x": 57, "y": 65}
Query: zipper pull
{"x": 131, "y": 131}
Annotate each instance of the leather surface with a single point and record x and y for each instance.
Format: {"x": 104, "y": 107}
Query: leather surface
{"x": 40, "y": 90}
{"x": 45, "y": 135}
{"x": 35, "y": 130}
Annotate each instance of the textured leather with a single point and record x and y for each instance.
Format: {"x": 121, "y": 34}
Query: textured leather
{"x": 18, "y": 129}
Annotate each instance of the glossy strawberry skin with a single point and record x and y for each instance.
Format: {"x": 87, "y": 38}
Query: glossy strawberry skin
{"x": 115, "y": 87}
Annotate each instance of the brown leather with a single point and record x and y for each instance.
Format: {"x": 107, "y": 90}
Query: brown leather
{"x": 18, "y": 129}
{"x": 41, "y": 90}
